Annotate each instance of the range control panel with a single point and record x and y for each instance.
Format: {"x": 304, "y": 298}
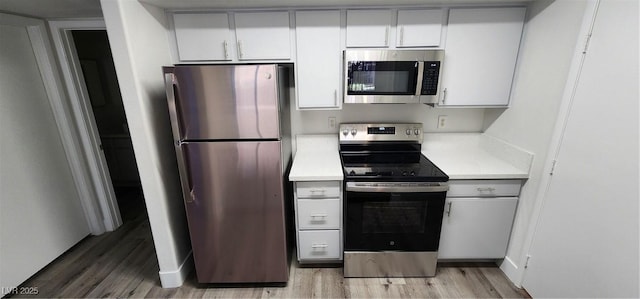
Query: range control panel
{"x": 357, "y": 132}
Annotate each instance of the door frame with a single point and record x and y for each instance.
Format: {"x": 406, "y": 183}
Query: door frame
{"x": 102, "y": 209}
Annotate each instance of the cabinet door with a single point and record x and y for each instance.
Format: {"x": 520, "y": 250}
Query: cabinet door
{"x": 419, "y": 28}
{"x": 368, "y": 28}
{"x": 480, "y": 56}
{"x": 318, "y": 59}
{"x": 263, "y": 35}
{"x": 202, "y": 36}
{"x": 476, "y": 228}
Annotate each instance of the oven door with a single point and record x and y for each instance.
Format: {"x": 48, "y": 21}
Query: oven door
{"x": 393, "y": 216}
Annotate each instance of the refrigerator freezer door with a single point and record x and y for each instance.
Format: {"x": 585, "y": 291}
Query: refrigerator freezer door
{"x": 236, "y": 218}
{"x": 227, "y": 102}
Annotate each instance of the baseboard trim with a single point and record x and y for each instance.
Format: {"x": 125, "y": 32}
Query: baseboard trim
{"x": 511, "y": 270}
{"x": 174, "y": 279}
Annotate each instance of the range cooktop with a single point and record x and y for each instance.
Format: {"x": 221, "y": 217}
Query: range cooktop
{"x": 423, "y": 171}
{"x": 386, "y": 152}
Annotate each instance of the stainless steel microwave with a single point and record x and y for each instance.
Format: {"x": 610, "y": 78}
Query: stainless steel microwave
{"x": 392, "y": 76}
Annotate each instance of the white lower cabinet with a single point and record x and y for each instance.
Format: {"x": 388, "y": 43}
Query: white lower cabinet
{"x": 318, "y": 207}
{"x": 319, "y": 213}
{"x": 476, "y": 224}
{"x": 318, "y": 245}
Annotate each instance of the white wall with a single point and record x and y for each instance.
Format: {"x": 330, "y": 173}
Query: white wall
{"x": 40, "y": 211}
{"x": 586, "y": 241}
{"x": 550, "y": 37}
{"x": 138, "y": 38}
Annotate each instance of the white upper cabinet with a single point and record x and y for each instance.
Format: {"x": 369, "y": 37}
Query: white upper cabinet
{"x": 419, "y": 28}
{"x": 368, "y": 28}
{"x": 480, "y": 56}
{"x": 263, "y": 35}
{"x": 318, "y": 61}
{"x": 202, "y": 36}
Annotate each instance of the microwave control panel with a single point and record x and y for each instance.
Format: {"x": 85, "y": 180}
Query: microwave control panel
{"x": 430, "y": 78}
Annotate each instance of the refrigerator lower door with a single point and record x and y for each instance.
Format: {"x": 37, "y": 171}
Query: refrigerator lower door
{"x": 236, "y": 212}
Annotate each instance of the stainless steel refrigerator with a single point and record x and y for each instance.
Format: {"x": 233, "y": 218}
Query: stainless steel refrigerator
{"x": 231, "y": 131}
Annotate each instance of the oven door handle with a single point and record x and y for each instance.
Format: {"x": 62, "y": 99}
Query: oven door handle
{"x": 396, "y": 187}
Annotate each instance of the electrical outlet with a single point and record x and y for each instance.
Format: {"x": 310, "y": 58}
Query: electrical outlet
{"x": 332, "y": 122}
{"x": 442, "y": 121}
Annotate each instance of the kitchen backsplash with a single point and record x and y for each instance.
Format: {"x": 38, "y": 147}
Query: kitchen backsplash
{"x": 458, "y": 119}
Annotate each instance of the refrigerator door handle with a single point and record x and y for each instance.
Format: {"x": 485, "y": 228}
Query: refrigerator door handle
{"x": 185, "y": 178}
{"x": 171, "y": 88}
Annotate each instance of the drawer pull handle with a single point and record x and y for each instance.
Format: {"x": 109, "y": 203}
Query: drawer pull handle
{"x": 317, "y": 191}
{"x": 319, "y": 246}
{"x": 319, "y": 216}
{"x": 488, "y": 189}
{"x": 449, "y": 210}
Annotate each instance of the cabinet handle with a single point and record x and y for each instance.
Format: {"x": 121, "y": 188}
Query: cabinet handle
{"x": 449, "y": 209}
{"x": 240, "y": 52}
{"x": 335, "y": 97}
{"x": 488, "y": 189}
{"x": 319, "y": 246}
{"x": 444, "y": 95}
{"x": 226, "y": 49}
{"x": 402, "y": 36}
{"x": 319, "y": 216}
{"x": 316, "y": 191}
{"x": 386, "y": 36}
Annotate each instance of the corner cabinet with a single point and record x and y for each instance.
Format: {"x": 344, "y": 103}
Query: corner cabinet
{"x": 318, "y": 61}
{"x": 478, "y": 218}
{"x": 480, "y": 56}
{"x": 318, "y": 210}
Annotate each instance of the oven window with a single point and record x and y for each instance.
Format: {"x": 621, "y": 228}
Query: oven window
{"x": 393, "y": 220}
{"x": 382, "y": 78}
{"x": 394, "y": 217}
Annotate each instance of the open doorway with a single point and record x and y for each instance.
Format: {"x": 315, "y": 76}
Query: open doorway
{"x": 96, "y": 61}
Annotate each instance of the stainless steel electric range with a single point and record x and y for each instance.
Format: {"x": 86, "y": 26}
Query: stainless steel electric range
{"x": 394, "y": 201}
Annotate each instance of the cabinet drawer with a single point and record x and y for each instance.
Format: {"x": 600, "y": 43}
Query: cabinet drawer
{"x": 319, "y": 213}
{"x": 320, "y": 189}
{"x": 483, "y": 188}
{"x": 319, "y": 244}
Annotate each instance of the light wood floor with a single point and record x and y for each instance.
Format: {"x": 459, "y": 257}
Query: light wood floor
{"x": 123, "y": 264}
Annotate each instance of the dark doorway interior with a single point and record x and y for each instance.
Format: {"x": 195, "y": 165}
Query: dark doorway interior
{"x": 94, "y": 53}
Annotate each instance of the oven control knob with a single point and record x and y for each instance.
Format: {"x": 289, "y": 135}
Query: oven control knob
{"x": 408, "y": 132}
{"x": 416, "y": 131}
{"x": 404, "y": 173}
{"x": 353, "y": 132}
{"x": 413, "y": 173}
{"x": 345, "y": 132}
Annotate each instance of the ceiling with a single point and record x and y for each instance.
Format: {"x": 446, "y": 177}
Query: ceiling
{"x": 54, "y": 9}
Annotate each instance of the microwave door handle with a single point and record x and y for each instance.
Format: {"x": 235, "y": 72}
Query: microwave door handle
{"x": 419, "y": 80}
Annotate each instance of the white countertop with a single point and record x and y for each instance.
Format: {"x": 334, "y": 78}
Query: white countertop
{"x": 465, "y": 156}
{"x": 462, "y": 156}
{"x": 316, "y": 159}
